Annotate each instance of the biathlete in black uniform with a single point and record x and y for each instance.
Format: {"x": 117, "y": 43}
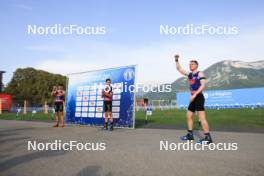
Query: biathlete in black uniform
{"x": 59, "y": 96}
{"x": 197, "y": 85}
{"x": 107, "y": 95}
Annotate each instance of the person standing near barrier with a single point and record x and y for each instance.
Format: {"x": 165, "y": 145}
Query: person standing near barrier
{"x": 107, "y": 94}
{"x": 197, "y": 85}
{"x": 59, "y": 96}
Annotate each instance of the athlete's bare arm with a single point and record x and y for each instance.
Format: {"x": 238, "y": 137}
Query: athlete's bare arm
{"x": 63, "y": 92}
{"x": 54, "y": 91}
{"x": 109, "y": 95}
{"x": 178, "y": 66}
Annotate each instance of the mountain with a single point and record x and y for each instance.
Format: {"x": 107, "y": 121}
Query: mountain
{"x": 227, "y": 74}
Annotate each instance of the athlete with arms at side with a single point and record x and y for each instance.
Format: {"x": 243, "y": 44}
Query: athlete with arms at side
{"x": 107, "y": 95}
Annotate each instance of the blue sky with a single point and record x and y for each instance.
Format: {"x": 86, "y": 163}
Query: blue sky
{"x": 132, "y": 35}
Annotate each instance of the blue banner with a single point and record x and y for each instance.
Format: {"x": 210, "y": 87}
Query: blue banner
{"x": 233, "y": 98}
{"x": 84, "y": 103}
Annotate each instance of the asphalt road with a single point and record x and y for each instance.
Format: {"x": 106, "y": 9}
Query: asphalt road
{"x": 128, "y": 152}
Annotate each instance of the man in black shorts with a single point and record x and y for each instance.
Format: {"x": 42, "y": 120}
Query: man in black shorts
{"x": 58, "y": 94}
{"x": 107, "y": 94}
{"x": 197, "y": 85}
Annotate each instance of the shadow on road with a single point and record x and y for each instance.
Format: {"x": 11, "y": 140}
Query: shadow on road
{"x": 27, "y": 158}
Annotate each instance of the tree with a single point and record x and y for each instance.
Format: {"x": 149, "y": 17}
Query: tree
{"x": 33, "y": 85}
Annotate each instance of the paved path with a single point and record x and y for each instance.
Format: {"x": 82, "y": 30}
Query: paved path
{"x": 128, "y": 152}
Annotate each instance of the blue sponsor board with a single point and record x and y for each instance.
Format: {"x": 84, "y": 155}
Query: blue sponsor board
{"x": 84, "y": 103}
{"x": 233, "y": 98}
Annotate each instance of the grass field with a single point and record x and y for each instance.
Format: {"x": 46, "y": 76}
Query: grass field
{"x": 28, "y": 116}
{"x": 227, "y": 119}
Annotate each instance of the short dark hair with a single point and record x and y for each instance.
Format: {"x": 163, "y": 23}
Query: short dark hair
{"x": 195, "y": 61}
{"x": 108, "y": 79}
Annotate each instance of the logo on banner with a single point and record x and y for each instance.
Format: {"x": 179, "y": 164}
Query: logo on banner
{"x": 206, "y": 95}
{"x": 129, "y": 74}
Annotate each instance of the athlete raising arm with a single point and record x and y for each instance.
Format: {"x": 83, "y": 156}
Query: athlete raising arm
{"x": 197, "y": 85}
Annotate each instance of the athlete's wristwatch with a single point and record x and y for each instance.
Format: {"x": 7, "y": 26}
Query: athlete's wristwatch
{"x": 176, "y": 58}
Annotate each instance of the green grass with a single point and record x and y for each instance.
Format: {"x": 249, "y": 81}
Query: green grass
{"x": 224, "y": 119}
{"x": 38, "y": 116}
